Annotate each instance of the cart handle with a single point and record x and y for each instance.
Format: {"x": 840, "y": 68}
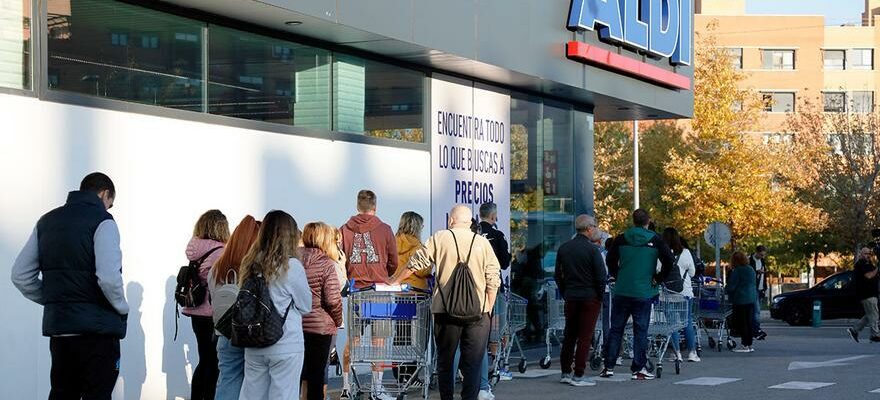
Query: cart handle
{"x": 381, "y": 287}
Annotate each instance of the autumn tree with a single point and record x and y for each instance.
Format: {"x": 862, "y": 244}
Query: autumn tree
{"x": 837, "y": 160}
{"x": 613, "y": 174}
{"x": 722, "y": 173}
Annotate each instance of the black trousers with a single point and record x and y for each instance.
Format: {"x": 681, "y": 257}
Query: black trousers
{"x": 83, "y": 367}
{"x": 317, "y": 354}
{"x": 742, "y": 316}
{"x": 473, "y": 339}
{"x": 204, "y": 380}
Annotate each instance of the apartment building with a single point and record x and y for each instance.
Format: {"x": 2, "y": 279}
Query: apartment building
{"x": 790, "y": 58}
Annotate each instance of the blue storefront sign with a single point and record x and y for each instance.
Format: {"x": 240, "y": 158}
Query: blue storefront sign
{"x": 660, "y": 28}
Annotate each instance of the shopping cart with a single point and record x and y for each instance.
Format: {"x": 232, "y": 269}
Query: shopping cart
{"x": 508, "y": 319}
{"x": 391, "y": 326}
{"x": 713, "y": 310}
{"x": 668, "y": 315}
{"x": 555, "y": 319}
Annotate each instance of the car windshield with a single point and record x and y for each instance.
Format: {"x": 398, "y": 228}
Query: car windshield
{"x": 836, "y": 282}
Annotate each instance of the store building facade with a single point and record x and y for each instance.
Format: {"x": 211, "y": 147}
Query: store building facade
{"x": 248, "y": 106}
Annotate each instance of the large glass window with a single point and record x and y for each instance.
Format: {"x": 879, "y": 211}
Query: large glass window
{"x": 736, "y": 57}
{"x": 834, "y": 59}
{"x": 778, "y": 102}
{"x": 861, "y": 59}
{"x": 120, "y": 51}
{"x": 778, "y": 59}
{"x": 265, "y": 79}
{"x": 558, "y": 178}
{"x": 862, "y": 101}
{"x": 834, "y": 101}
{"x": 15, "y": 44}
{"x": 377, "y": 99}
{"x": 527, "y": 206}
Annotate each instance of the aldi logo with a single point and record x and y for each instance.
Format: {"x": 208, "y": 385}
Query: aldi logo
{"x": 658, "y": 28}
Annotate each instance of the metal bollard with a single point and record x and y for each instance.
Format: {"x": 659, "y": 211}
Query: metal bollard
{"x": 817, "y": 314}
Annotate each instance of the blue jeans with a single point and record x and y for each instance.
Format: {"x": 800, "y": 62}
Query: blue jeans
{"x": 606, "y": 322}
{"x": 622, "y": 308}
{"x": 690, "y": 333}
{"x": 484, "y": 368}
{"x": 756, "y": 317}
{"x": 231, "y": 363}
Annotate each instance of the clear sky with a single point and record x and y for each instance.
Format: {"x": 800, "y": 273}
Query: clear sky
{"x": 836, "y": 12}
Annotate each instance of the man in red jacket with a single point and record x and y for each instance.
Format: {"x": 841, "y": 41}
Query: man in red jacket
{"x": 370, "y": 257}
{"x": 369, "y": 244}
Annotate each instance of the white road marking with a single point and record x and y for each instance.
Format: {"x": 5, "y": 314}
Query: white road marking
{"x": 537, "y": 373}
{"x": 708, "y": 381}
{"x": 875, "y": 391}
{"x": 831, "y": 363}
{"x": 615, "y": 378}
{"x": 797, "y": 385}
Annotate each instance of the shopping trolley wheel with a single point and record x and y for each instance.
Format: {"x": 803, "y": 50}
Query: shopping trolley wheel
{"x": 545, "y": 362}
{"x": 659, "y": 373}
{"x": 677, "y": 367}
{"x": 699, "y": 351}
{"x": 650, "y": 366}
{"x": 523, "y": 365}
{"x": 712, "y": 343}
{"x": 494, "y": 379}
{"x": 401, "y": 396}
{"x": 596, "y": 363}
{"x": 731, "y": 344}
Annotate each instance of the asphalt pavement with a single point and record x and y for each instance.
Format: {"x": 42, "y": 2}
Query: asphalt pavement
{"x": 792, "y": 363}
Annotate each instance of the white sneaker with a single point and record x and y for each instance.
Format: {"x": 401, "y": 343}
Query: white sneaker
{"x": 743, "y": 349}
{"x": 486, "y": 395}
{"x": 566, "y": 378}
{"x": 676, "y": 356}
{"x": 693, "y": 357}
{"x": 382, "y": 396}
{"x": 642, "y": 375}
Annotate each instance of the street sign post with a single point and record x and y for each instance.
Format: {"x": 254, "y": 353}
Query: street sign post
{"x": 717, "y": 235}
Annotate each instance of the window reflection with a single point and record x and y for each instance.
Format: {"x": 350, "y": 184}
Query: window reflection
{"x": 15, "y": 44}
{"x": 120, "y": 51}
{"x": 265, "y": 79}
{"x": 377, "y": 99}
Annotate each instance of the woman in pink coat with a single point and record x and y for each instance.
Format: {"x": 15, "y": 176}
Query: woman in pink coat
{"x": 209, "y": 237}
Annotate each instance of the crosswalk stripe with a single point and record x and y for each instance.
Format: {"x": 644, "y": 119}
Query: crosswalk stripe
{"x": 798, "y": 385}
{"x": 708, "y": 381}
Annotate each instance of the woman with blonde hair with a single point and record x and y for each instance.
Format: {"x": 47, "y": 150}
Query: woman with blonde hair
{"x": 226, "y": 271}
{"x": 409, "y": 240}
{"x": 205, "y": 247}
{"x": 319, "y": 255}
{"x": 270, "y": 372}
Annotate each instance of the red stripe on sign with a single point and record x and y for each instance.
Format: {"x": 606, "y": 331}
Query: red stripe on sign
{"x": 587, "y": 54}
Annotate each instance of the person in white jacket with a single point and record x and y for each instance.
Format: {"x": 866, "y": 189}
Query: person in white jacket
{"x": 687, "y": 268}
{"x": 273, "y": 372}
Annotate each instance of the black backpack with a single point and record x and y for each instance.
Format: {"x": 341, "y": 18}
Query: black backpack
{"x": 675, "y": 281}
{"x": 461, "y": 300}
{"x": 255, "y": 320}
{"x": 190, "y": 290}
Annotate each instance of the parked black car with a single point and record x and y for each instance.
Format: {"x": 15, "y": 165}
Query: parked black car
{"x": 836, "y": 292}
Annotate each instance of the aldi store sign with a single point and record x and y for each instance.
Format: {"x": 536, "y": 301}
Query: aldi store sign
{"x": 661, "y": 28}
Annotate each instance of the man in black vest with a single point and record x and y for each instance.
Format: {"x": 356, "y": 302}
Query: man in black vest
{"x": 72, "y": 266}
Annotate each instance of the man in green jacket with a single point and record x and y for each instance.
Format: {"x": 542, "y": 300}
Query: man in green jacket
{"x": 632, "y": 261}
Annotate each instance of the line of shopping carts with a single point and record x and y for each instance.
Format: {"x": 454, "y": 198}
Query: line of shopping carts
{"x": 668, "y": 315}
{"x": 392, "y": 327}
{"x": 712, "y": 314}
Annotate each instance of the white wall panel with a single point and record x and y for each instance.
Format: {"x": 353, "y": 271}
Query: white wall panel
{"x": 168, "y": 172}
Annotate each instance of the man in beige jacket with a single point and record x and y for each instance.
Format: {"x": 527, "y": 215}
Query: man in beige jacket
{"x": 441, "y": 250}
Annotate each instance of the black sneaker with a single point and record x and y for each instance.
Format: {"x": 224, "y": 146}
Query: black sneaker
{"x": 606, "y": 373}
{"x": 761, "y": 335}
{"x": 875, "y": 339}
{"x": 853, "y": 334}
